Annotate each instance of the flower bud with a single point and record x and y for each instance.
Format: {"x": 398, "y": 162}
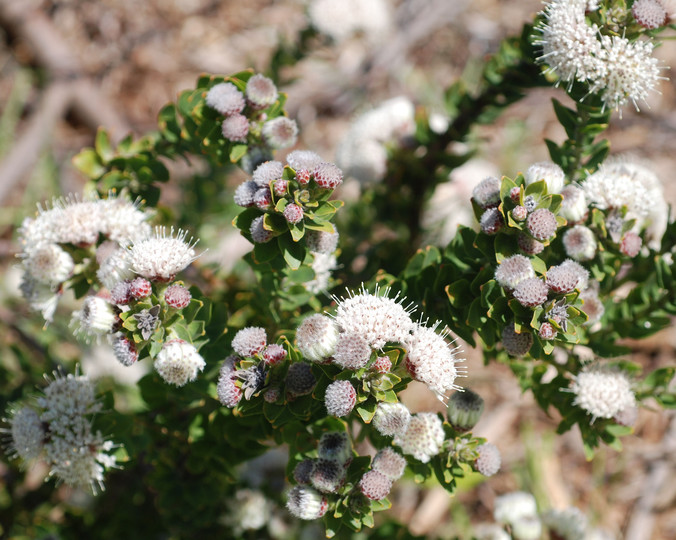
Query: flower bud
{"x": 464, "y": 409}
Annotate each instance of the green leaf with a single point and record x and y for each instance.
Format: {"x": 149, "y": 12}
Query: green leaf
{"x": 238, "y": 152}
{"x": 294, "y": 253}
{"x": 89, "y": 163}
{"x": 367, "y": 409}
{"x": 102, "y": 145}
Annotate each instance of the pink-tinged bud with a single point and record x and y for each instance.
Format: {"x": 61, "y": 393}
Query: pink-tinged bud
{"x": 235, "y": 128}
{"x": 261, "y": 92}
{"x": 567, "y": 276}
{"x": 649, "y": 14}
{"x": 140, "y": 288}
{"x": 631, "y": 244}
{"x": 244, "y": 194}
{"x": 488, "y": 462}
{"x": 293, "y": 213}
{"x": 272, "y": 394}
{"x": 375, "y": 485}
{"x": 529, "y": 245}
{"x": 382, "y": 364}
{"x": 303, "y": 176}
{"x": 531, "y": 292}
{"x": 125, "y": 351}
{"x": 328, "y": 176}
{"x": 487, "y": 192}
{"x": 259, "y": 234}
{"x": 542, "y": 224}
{"x": 229, "y": 394}
{"x": 519, "y": 213}
{"x": 225, "y": 98}
{"x": 340, "y": 398}
{"x": 177, "y": 296}
{"x": 249, "y": 341}
{"x": 491, "y": 221}
{"x": 280, "y": 132}
{"x": 263, "y": 198}
{"x": 514, "y": 343}
{"x": 351, "y": 351}
{"x": 274, "y": 354}
{"x": 120, "y": 294}
{"x": 547, "y": 331}
{"x": 513, "y": 270}
{"x": 280, "y": 187}
{"x": 515, "y": 194}
{"x": 390, "y": 463}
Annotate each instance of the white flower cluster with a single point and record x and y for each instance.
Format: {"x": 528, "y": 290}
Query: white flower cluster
{"x": 60, "y": 433}
{"x": 341, "y": 20}
{"x": 619, "y": 70}
{"x": 70, "y": 221}
{"x": 602, "y": 391}
{"x": 362, "y": 153}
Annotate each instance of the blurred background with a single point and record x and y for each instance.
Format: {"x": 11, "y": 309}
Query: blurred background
{"x": 68, "y": 66}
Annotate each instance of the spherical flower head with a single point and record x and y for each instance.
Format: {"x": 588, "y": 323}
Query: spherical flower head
{"x": 519, "y": 213}
{"x": 514, "y": 506}
{"x": 302, "y": 471}
{"x": 27, "y": 434}
{"x": 375, "y": 485}
{"x": 340, "y": 398}
{"x": 491, "y": 221}
{"x": 244, "y": 194}
{"x": 229, "y": 394}
{"x": 580, "y": 243}
{"x": 631, "y": 72}
{"x": 293, "y": 213}
{"x": 327, "y": 475}
{"x": 567, "y": 276}
{"x": 531, "y": 292}
{"x": 259, "y": 234}
{"x": 178, "y": 362}
{"x": 263, "y": 198}
{"x": 303, "y": 176}
{"x": 268, "y": 172}
{"x": 548, "y": 171}
{"x": 235, "y": 128}
{"x": 391, "y": 419}
{"x": 335, "y": 445}
{"x": 122, "y": 220}
{"x": 513, "y": 270}
{"x": 602, "y": 391}
{"x": 96, "y": 318}
{"x": 261, "y": 92}
{"x": 592, "y": 305}
{"x": 382, "y": 364}
{"x": 627, "y": 416}
{"x": 305, "y": 502}
{"x": 280, "y": 132}
{"x": 120, "y": 294}
{"x": 125, "y": 350}
{"x": 542, "y": 224}
{"x": 529, "y": 245}
{"x": 250, "y": 341}
{"x": 547, "y": 331}
{"x": 327, "y": 175}
{"x": 280, "y": 187}
{"x": 77, "y": 222}
{"x": 528, "y": 528}
{"x": 225, "y": 98}
{"x": 631, "y": 243}
{"x": 487, "y": 192}
{"x": 390, "y": 463}
{"x": 649, "y": 14}
{"x": 300, "y": 379}
{"x": 378, "y": 319}
{"x": 516, "y": 344}
{"x": 140, "y": 288}
{"x": 351, "y": 351}
{"x": 303, "y": 159}
{"x": 430, "y": 360}
{"x": 161, "y": 257}
{"x": 272, "y": 394}
{"x": 177, "y": 296}
{"x": 488, "y": 460}
{"x": 423, "y": 438}
{"x": 322, "y": 241}
{"x": 115, "y": 268}
{"x": 274, "y": 354}
{"x": 464, "y": 409}
{"x": 49, "y": 264}
{"x": 574, "y": 206}
{"x": 567, "y": 524}
{"x": 316, "y": 337}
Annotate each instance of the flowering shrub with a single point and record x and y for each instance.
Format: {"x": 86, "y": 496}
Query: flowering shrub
{"x": 266, "y": 357}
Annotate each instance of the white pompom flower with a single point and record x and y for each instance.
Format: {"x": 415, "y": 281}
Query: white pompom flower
{"x": 161, "y": 257}
{"x": 423, "y": 438}
{"x": 603, "y": 391}
{"x": 178, "y": 362}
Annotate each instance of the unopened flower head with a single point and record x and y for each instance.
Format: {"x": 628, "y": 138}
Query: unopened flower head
{"x": 491, "y": 221}
{"x": 322, "y": 241}
{"x": 542, "y": 224}
{"x": 263, "y": 198}
{"x": 178, "y": 362}
{"x": 423, "y": 437}
{"x": 391, "y": 419}
{"x": 225, "y": 98}
{"x": 390, "y": 463}
{"x": 487, "y": 192}
{"x": 303, "y": 159}
{"x": 235, "y": 128}
{"x": 327, "y": 175}
{"x": 250, "y": 341}
{"x": 327, "y": 475}
{"x": 229, "y": 394}
{"x": 335, "y": 445}
{"x": 352, "y": 351}
{"x": 531, "y": 292}
{"x": 602, "y": 391}
{"x": 268, "y": 172}
{"x": 305, "y": 502}
{"x": 300, "y": 379}
{"x": 316, "y": 337}
{"x": 516, "y": 344}
{"x": 548, "y": 171}
{"x": 649, "y": 14}
{"x": 293, "y": 213}
{"x": 280, "y": 132}
{"x": 514, "y": 506}
{"x": 274, "y": 354}
{"x": 124, "y": 350}
{"x": 244, "y": 194}
{"x": 574, "y": 206}
{"x": 261, "y": 92}
{"x": 49, "y": 264}
{"x": 375, "y": 485}
{"x": 177, "y": 296}
{"x": 26, "y": 434}
{"x": 488, "y": 460}
{"x": 382, "y": 364}
{"x": 375, "y": 317}
{"x": 96, "y": 318}
{"x": 580, "y": 243}
{"x": 565, "y": 277}
{"x": 513, "y": 270}
{"x": 162, "y": 256}
{"x": 302, "y": 471}
{"x": 340, "y": 398}
{"x": 464, "y": 409}
{"x": 259, "y": 234}
{"x": 430, "y": 359}
{"x": 528, "y": 245}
